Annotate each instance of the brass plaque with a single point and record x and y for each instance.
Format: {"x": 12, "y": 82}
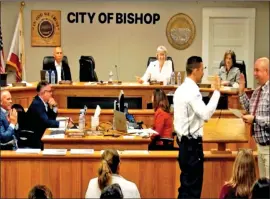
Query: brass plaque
{"x": 46, "y": 28}
{"x": 180, "y": 31}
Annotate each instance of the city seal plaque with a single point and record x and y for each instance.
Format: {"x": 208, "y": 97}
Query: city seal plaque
{"x": 180, "y": 31}
{"x": 46, "y": 28}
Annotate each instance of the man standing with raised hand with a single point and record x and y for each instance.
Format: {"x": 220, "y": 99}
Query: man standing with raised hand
{"x": 258, "y": 108}
{"x": 190, "y": 113}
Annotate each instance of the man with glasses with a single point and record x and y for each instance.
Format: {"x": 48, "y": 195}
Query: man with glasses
{"x": 42, "y": 114}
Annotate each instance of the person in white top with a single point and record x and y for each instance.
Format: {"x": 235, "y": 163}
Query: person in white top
{"x": 190, "y": 113}
{"x": 108, "y": 174}
{"x": 158, "y": 70}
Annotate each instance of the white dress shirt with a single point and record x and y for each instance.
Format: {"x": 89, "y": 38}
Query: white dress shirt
{"x": 190, "y": 112}
{"x": 58, "y": 69}
{"x": 153, "y": 71}
{"x": 129, "y": 189}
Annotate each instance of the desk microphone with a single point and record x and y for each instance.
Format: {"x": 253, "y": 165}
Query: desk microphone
{"x": 116, "y": 73}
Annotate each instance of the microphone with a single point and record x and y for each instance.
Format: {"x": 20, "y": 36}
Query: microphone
{"x": 116, "y": 73}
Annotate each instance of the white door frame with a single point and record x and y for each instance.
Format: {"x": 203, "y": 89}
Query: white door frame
{"x": 248, "y": 13}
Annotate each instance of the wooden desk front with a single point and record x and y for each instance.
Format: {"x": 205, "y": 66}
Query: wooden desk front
{"x": 24, "y": 95}
{"x": 96, "y": 142}
{"x": 156, "y": 174}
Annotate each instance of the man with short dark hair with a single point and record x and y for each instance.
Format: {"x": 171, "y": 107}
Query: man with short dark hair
{"x": 42, "y": 114}
{"x": 40, "y": 192}
{"x": 190, "y": 113}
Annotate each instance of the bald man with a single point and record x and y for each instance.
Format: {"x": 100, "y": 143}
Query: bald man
{"x": 60, "y": 68}
{"x": 7, "y": 123}
{"x": 258, "y": 109}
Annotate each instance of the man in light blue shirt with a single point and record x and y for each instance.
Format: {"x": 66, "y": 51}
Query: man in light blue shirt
{"x": 8, "y": 122}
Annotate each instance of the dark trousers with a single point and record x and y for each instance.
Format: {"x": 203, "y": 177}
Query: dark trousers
{"x": 190, "y": 160}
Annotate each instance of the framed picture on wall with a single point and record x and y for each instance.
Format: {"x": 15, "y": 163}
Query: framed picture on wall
{"x": 46, "y": 28}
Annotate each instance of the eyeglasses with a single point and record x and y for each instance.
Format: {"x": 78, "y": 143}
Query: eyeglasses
{"x": 50, "y": 91}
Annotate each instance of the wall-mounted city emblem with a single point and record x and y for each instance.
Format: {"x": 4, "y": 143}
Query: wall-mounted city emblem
{"x": 46, "y": 28}
{"x": 180, "y": 31}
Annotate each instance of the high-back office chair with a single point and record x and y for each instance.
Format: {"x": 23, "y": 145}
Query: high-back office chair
{"x": 168, "y": 143}
{"x": 23, "y": 135}
{"x": 87, "y": 69}
{"x": 239, "y": 64}
{"x": 150, "y": 59}
{"x": 48, "y": 60}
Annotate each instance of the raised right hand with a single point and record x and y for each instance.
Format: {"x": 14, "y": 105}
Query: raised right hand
{"x": 242, "y": 82}
{"x": 217, "y": 83}
{"x": 13, "y": 116}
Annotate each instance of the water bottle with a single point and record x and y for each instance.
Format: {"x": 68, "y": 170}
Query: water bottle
{"x": 111, "y": 76}
{"x": 81, "y": 120}
{"x": 47, "y": 76}
{"x": 179, "y": 79}
{"x": 173, "y": 79}
{"x": 52, "y": 77}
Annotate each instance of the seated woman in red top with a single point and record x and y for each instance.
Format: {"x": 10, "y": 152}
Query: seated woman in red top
{"x": 163, "y": 123}
{"x": 243, "y": 176}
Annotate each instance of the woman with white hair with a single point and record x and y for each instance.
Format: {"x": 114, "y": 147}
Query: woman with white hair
{"x": 158, "y": 70}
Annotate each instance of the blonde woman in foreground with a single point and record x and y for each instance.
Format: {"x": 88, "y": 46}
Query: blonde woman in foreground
{"x": 108, "y": 173}
{"x": 243, "y": 176}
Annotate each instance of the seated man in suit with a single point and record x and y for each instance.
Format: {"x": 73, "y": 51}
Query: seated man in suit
{"x": 8, "y": 122}
{"x": 61, "y": 69}
{"x": 42, "y": 114}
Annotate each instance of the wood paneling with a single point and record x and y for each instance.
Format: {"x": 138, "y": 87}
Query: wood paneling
{"x": 156, "y": 174}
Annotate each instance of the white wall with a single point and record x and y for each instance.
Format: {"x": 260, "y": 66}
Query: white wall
{"x": 127, "y": 46}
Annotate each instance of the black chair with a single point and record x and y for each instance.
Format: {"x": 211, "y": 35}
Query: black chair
{"x": 87, "y": 69}
{"x": 168, "y": 144}
{"x": 150, "y": 59}
{"x": 23, "y": 134}
{"x": 48, "y": 60}
{"x": 239, "y": 64}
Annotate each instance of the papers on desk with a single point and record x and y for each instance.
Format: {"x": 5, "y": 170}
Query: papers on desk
{"x": 57, "y": 129}
{"x": 28, "y": 151}
{"x": 54, "y": 136}
{"x": 81, "y": 151}
{"x": 128, "y": 137}
{"x": 142, "y": 131}
{"x": 62, "y": 118}
{"x": 54, "y": 152}
{"x": 236, "y": 112}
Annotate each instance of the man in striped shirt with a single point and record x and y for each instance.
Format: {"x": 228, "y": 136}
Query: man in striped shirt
{"x": 258, "y": 109}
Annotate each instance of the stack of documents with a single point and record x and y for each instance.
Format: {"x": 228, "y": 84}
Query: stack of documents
{"x": 28, "y": 151}
{"x": 54, "y": 152}
{"x": 81, "y": 151}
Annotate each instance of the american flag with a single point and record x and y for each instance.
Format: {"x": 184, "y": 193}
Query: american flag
{"x": 2, "y": 63}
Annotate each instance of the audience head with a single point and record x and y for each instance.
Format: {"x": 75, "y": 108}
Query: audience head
{"x": 58, "y": 54}
{"x": 44, "y": 90}
{"x": 109, "y": 165}
{"x": 6, "y": 100}
{"x": 261, "y": 189}
{"x": 194, "y": 68}
{"x": 261, "y": 70}
{"x": 229, "y": 58}
{"x": 160, "y": 100}
{"x": 243, "y": 174}
{"x": 162, "y": 53}
{"x": 40, "y": 192}
{"x": 113, "y": 191}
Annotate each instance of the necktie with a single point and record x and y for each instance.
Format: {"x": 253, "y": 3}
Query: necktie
{"x": 256, "y": 106}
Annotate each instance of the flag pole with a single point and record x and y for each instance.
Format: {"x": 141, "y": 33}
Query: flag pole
{"x": 22, "y": 55}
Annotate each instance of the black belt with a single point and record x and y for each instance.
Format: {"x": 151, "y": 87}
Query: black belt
{"x": 191, "y": 139}
{"x": 267, "y": 143}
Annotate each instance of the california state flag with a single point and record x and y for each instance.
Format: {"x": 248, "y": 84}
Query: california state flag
{"x": 16, "y": 56}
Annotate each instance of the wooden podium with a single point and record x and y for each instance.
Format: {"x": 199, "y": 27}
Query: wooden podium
{"x": 225, "y": 130}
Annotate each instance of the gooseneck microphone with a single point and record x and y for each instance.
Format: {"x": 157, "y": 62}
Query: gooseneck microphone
{"x": 116, "y": 72}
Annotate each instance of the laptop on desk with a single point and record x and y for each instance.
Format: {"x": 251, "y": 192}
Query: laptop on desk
{"x": 120, "y": 121}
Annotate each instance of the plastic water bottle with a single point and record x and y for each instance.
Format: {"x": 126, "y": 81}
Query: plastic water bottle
{"x": 179, "y": 79}
{"x": 47, "y": 76}
{"x": 173, "y": 79}
{"x": 81, "y": 120}
{"x": 111, "y": 76}
{"x": 53, "y": 78}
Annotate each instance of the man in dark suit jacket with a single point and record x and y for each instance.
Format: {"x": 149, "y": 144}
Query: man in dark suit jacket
{"x": 8, "y": 122}
{"x": 42, "y": 114}
{"x": 61, "y": 69}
